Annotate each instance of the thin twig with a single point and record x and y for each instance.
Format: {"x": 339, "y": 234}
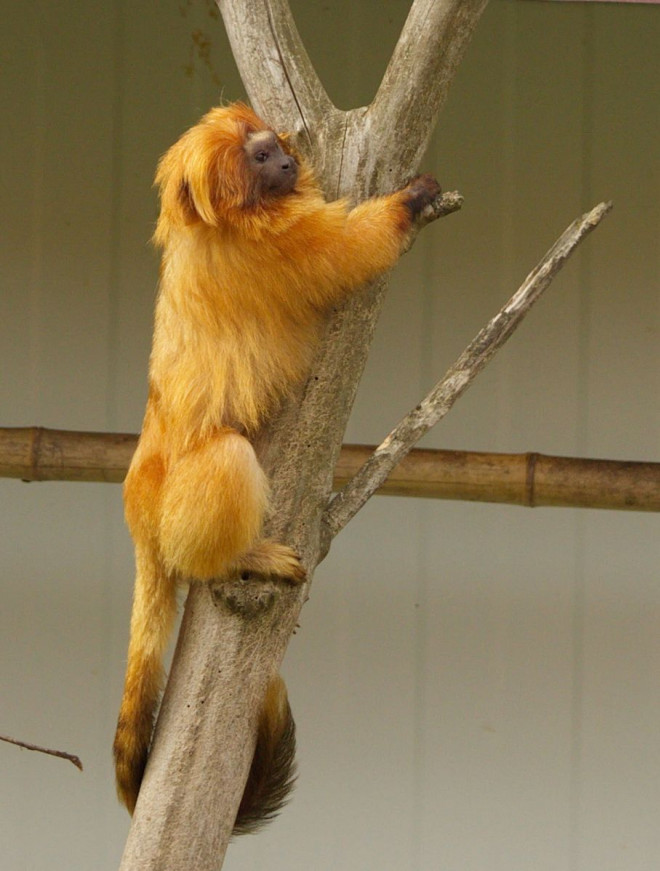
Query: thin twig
{"x": 438, "y": 402}
{"x": 26, "y": 746}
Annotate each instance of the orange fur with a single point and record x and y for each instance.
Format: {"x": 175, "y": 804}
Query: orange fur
{"x": 246, "y": 279}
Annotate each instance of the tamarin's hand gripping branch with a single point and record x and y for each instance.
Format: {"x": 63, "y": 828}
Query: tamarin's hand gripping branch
{"x": 253, "y": 259}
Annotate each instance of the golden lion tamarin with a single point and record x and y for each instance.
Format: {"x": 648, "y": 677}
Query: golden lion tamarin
{"x": 253, "y": 258}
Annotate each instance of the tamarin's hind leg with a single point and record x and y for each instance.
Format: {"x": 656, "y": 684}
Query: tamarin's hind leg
{"x": 213, "y": 501}
{"x": 269, "y": 558}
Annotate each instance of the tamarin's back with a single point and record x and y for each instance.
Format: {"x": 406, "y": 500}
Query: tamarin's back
{"x": 228, "y": 341}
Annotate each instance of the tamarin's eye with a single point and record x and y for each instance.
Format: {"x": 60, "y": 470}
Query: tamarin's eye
{"x": 261, "y": 156}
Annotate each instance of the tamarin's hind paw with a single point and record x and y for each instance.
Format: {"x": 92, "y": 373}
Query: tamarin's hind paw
{"x": 271, "y": 559}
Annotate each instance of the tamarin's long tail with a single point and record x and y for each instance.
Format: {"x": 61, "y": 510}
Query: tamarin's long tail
{"x": 152, "y": 618}
{"x": 272, "y": 772}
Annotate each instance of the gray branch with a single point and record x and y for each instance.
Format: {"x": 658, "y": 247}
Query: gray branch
{"x": 440, "y": 400}
{"x": 275, "y": 67}
{"x": 417, "y": 80}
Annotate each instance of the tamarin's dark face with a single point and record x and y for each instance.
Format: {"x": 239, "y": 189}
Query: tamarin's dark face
{"x": 275, "y": 170}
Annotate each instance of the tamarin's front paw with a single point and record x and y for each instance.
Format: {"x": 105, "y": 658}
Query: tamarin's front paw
{"x": 272, "y": 559}
{"x": 420, "y": 192}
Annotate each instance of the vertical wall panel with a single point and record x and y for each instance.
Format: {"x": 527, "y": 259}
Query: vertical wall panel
{"x": 54, "y": 635}
{"x": 618, "y": 760}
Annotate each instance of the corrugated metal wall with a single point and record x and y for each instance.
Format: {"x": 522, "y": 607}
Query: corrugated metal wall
{"x": 476, "y": 687}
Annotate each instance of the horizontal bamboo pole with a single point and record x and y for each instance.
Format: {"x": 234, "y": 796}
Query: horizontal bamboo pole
{"x": 39, "y": 454}
{"x": 517, "y": 479}
{"x": 35, "y": 453}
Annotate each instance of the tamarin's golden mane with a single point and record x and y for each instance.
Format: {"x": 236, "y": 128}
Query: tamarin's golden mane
{"x": 203, "y": 178}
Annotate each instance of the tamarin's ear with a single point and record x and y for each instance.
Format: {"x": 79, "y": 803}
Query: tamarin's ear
{"x": 188, "y": 187}
{"x": 186, "y": 202}
{"x": 198, "y": 191}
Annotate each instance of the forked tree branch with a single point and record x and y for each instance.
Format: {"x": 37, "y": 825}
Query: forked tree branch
{"x": 227, "y": 651}
{"x": 442, "y": 397}
{"x": 205, "y": 732}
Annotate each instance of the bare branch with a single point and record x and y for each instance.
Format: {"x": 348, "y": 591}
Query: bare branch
{"x": 433, "y": 408}
{"x": 416, "y": 83}
{"x": 275, "y": 68}
{"x": 59, "y": 753}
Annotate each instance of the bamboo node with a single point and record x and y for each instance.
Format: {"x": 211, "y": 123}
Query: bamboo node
{"x": 530, "y": 479}
{"x": 34, "y": 453}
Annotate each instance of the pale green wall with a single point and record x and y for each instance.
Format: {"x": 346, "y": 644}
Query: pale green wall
{"x": 476, "y": 687}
